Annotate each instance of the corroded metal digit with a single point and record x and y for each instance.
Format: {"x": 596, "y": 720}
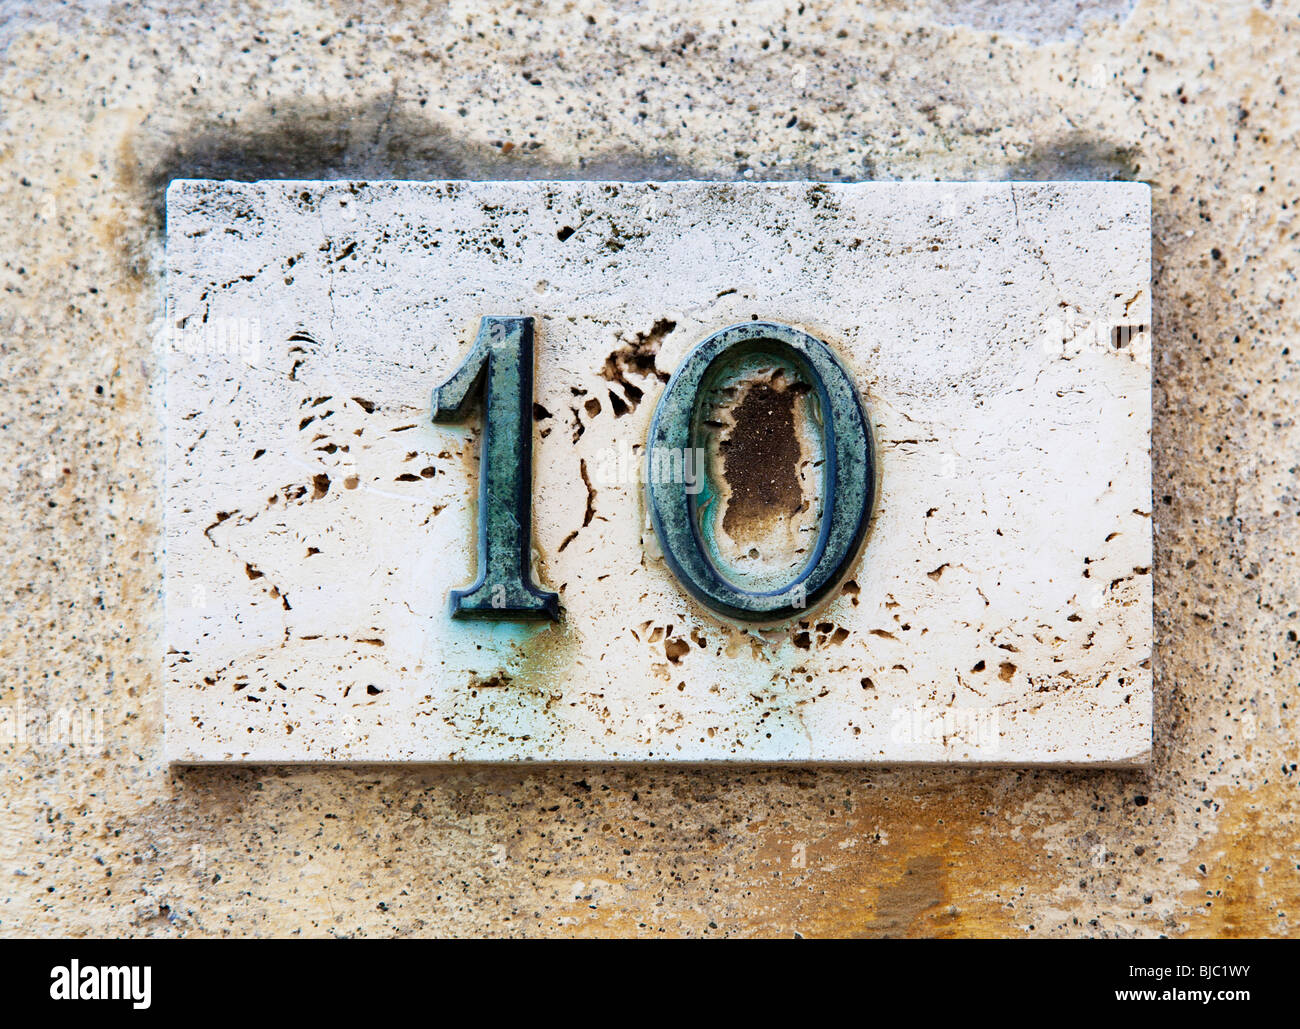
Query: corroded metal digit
{"x": 500, "y": 368}
{"x": 848, "y": 472}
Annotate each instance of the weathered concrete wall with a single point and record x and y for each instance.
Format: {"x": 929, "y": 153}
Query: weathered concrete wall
{"x": 103, "y": 104}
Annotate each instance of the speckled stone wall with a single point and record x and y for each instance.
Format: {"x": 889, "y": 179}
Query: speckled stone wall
{"x": 102, "y": 104}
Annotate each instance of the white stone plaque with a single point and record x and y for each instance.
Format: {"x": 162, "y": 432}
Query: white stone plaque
{"x": 318, "y": 519}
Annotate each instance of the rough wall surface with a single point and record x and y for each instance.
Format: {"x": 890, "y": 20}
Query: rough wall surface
{"x": 103, "y": 104}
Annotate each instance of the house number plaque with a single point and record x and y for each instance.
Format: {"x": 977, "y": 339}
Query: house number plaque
{"x": 657, "y": 472}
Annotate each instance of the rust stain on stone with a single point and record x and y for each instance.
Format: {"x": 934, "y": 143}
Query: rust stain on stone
{"x": 760, "y": 459}
{"x": 910, "y": 864}
{"x": 918, "y": 900}
{"x": 1248, "y": 877}
{"x": 638, "y": 356}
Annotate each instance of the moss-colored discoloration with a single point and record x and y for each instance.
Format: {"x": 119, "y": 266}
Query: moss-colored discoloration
{"x": 100, "y": 838}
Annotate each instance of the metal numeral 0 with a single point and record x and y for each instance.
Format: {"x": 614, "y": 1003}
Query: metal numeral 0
{"x": 848, "y": 473}
{"x": 500, "y": 369}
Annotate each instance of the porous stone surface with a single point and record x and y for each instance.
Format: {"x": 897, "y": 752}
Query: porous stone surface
{"x": 106, "y": 104}
{"x": 317, "y": 521}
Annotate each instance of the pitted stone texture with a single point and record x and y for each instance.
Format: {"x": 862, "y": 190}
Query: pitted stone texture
{"x": 316, "y": 520}
{"x": 108, "y": 103}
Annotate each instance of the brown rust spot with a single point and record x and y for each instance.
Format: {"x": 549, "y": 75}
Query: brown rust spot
{"x": 638, "y": 357}
{"x": 760, "y": 460}
{"x": 676, "y": 649}
{"x": 496, "y": 681}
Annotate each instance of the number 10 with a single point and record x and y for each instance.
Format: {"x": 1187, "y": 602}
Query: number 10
{"x": 499, "y": 371}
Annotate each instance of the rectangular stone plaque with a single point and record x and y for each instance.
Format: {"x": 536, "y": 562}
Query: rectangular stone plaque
{"x": 317, "y": 519}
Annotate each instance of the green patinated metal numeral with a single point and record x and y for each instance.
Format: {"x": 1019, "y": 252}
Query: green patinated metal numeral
{"x": 500, "y": 368}
{"x": 848, "y": 472}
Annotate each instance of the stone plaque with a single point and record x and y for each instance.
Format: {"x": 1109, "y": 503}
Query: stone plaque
{"x": 571, "y": 471}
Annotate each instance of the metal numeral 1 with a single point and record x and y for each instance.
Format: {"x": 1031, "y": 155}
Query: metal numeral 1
{"x": 500, "y": 369}
{"x": 848, "y": 464}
